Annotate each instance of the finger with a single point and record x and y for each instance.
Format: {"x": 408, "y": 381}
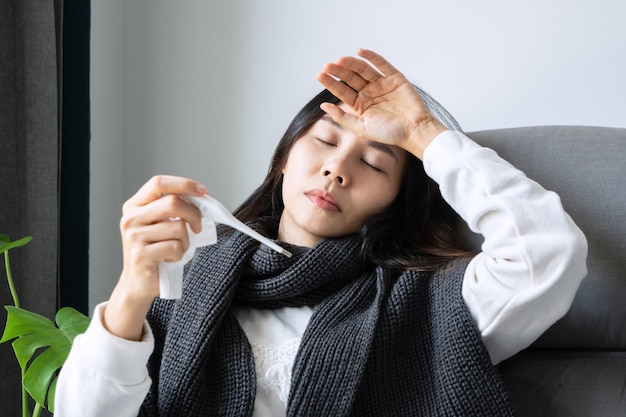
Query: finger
{"x": 378, "y": 61}
{"x": 151, "y": 254}
{"x": 165, "y": 250}
{"x": 361, "y": 67}
{"x": 169, "y": 251}
{"x": 163, "y": 209}
{"x": 346, "y": 120}
{"x": 172, "y": 231}
{"x": 174, "y": 207}
{"x": 340, "y": 90}
{"x": 170, "y": 236}
{"x": 160, "y": 185}
{"x": 354, "y": 80}
{"x": 173, "y": 238}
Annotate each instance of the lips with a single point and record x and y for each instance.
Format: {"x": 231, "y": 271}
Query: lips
{"x": 323, "y": 200}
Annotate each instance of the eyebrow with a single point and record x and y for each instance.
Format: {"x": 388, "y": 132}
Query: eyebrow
{"x": 376, "y": 145}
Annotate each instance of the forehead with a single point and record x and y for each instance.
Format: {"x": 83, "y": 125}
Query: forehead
{"x": 394, "y": 151}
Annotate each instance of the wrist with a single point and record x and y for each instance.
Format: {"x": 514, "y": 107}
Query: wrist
{"x": 124, "y": 315}
{"x": 422, "y": 135}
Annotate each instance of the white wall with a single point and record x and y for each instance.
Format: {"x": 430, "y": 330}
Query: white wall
{"x": 107, "y": 164}
{"x": 206, "y": 88}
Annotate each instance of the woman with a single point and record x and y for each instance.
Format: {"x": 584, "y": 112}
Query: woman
{"x": 381, "y": 311}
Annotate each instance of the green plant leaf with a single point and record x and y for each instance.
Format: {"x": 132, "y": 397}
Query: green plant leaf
{"x": 21, "y": 322}
{"x": 6, "y": 244}
{"x": 71, "y": 322}
{"x": 51, "y": 393}
{"x": 41, "y": 347}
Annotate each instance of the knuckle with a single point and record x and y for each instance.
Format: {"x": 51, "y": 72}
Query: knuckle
{"x": 131, "y": 236}
{"x": 156, "y": 181}
{"x": 180, "y": 229}
{"x": 126, "y": 223}
{"x": 128, "y": 206}
{"x": 171, "y": 200}
{"x": 174, "y": 250}
{"x": 177, "y": 249}
{"x": 137, "y": 254}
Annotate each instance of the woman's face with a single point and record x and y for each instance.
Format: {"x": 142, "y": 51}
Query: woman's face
{"x": 333, "y": 180}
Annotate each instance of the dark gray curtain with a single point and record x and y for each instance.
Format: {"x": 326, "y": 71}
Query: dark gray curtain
{"x": 30, "y": 108}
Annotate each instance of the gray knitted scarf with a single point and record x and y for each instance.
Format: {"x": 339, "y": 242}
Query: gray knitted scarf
{"x": 380, "y": 343}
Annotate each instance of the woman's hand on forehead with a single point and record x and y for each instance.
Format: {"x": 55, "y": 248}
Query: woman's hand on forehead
{"x": 382, "y": 105}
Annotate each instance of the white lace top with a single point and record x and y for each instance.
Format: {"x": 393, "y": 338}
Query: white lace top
{"x": 274, "y": 336}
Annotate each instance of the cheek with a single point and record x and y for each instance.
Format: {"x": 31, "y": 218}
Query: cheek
{"x": 296, "y": 158}
{"x": 294, "y": 174}
{"x": 372, "y": 200}
{"x": 382, "y": 194}
{"x": 291, "y": 171}
{"x": 386, "y": 197}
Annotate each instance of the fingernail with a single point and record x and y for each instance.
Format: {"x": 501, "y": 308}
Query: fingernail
{"x": 201, "y": 189}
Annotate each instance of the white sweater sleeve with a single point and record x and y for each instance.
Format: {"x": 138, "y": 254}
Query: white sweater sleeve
{"x": 533, "y": 257}
{"x": 104, "y": 375}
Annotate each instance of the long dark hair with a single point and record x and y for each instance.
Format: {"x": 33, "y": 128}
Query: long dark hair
{"x": 418, "y": 231}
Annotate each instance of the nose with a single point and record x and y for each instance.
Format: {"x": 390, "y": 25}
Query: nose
{"x": 339, "y": 166}
{"x": 336, "y": 174}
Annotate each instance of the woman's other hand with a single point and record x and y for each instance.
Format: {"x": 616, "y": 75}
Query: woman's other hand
{"x": 153, "y": 229}
{"x": 385, "y": 106}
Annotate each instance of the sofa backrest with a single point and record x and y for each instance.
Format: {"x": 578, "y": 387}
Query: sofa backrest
{"x": 586, "y": 166}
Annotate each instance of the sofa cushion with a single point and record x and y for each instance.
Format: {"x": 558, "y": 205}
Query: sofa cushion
{"x": 586, "y": 166}
{"x": 556, "y": 383}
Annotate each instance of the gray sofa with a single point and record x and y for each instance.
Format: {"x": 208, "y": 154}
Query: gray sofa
{"x": 578, "y": 367}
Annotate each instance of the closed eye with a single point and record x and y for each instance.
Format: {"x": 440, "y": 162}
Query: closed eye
{"x": 375, "y": 168}
{"x": 325, "y": 142}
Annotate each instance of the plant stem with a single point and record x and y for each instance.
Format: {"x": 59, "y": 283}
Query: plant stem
{"x": 24, "y": 399}
{"x": 16, "y": 302}
{"x": 37, "y": 410}
{"x": 7, "y": 265}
